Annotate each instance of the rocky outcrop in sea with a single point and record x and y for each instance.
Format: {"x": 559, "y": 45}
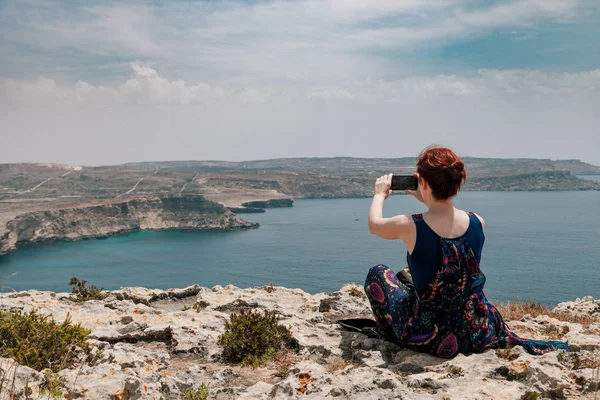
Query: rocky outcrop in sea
{"x": 156, "y": 343}
{"x": 273, "y": 203}
{"x": 119, "y": 217}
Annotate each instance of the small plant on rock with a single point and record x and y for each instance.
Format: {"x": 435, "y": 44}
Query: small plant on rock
{"x": 283, "y": 371}
{"x": 454, "y": 370}
{"x": 507, "y": 354}
{"x": 575, "y": 361}
{"x": 35, "y": 340}
{"x": 198, "y": 306}
{"x": 553, "y": 332}
{"x": 356, "y": 292}
{"x": 530, "y": 396}
{"x": 269, "y": 288}
{"x": 82, "y": 293}
{"x": 53, "y": 385}
{"x": 253, "y": 338}
{"x": 516, "y": 372}
{"x": 200, "y": 393}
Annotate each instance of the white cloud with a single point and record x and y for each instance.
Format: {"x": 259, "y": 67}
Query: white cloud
{"x": 147, "y": 87}
{"x": 495, "y": 113}
{"x": 100, "y": 30}
{"x": 275, "y": 78}
{"x": 304, "y": 40}
{"x": 516, "y": 13}
{"x": 461, "y": 23}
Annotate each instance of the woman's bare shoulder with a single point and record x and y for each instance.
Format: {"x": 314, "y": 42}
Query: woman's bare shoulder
{"x": 480, "y": 219}
{"x": 477, "y": 215}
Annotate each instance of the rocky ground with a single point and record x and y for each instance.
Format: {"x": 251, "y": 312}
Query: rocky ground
{"x": 154, "y": 344}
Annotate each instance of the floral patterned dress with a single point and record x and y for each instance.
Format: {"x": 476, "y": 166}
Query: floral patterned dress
{"x": 450, "y": 315}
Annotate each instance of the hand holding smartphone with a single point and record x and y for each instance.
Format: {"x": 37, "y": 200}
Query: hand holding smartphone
{"x": 404, "y": 182}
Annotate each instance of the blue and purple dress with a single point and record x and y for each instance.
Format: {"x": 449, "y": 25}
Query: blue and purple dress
{"x": 446, "y": 312}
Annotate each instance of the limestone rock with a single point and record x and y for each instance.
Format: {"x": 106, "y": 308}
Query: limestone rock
{"x": 154, "y": 344}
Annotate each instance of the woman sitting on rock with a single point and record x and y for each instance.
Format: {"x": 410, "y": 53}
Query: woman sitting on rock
{"x": 443, "y": 311}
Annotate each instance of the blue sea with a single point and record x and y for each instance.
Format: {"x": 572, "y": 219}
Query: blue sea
{"x": 540, "y": 246}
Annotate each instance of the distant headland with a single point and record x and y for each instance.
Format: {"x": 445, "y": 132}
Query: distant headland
{"x": 41, "y": 201}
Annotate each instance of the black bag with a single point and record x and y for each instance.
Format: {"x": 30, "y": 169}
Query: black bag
{"x": 361, "y": 325}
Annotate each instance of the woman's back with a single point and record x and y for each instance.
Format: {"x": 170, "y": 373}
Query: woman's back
{"x": 426, "y": 255}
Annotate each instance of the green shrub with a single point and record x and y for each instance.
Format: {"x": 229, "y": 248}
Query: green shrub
{"x": 200, "y": 393}
{"x": 258, "y": 361}
{"x": 253, "y": 337}
{"x": 53, "y": 385}
{"x": 83, "y": 293}
{"x": 38, "y": 342}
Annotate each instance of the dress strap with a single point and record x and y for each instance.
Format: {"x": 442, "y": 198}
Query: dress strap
{"x": 475, "y": 220}
{"x": 417, "y": 217}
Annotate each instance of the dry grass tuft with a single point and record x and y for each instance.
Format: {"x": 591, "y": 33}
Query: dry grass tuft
{"x": 338, "y": 364}
{"x": 576, "y": 361}
{"x": 454, "y": 370}
{"x": 286, "y": 358}
{"x": 506, "y": 354}
{"x": 591, "y": 331}
{"x": 269, "y": 288}
{"x": 515, "y": 311}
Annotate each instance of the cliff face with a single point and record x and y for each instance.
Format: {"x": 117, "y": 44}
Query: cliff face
{"x": 94, "y": 221}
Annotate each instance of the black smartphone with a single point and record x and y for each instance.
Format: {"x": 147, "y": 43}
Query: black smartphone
{"x": 404, "y": 182}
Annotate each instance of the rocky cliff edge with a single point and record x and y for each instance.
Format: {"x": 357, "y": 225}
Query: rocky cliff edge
{"x": 119, "y": 217}
{"x": 157, "y": 343}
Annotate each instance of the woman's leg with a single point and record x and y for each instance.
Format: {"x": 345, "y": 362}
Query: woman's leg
{"x": 390, "y": 303}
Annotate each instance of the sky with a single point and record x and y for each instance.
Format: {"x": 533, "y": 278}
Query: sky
{"x": 96, "y": 83}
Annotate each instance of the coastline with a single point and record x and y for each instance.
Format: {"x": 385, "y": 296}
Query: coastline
{"x": 43, "y": 191}
{"x": 116, "y": 218}
{"x": 210, "y": 215}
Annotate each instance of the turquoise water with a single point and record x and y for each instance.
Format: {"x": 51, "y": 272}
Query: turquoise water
{"x": 539, "y": 246}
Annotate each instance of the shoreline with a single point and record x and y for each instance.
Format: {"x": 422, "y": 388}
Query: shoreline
{"x": 9, "y": 243}
{"x": 20, "y": 245}
{"x": 108, "y": 219}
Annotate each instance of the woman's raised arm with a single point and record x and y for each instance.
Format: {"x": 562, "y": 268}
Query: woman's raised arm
{"x": 398, "y": 227}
